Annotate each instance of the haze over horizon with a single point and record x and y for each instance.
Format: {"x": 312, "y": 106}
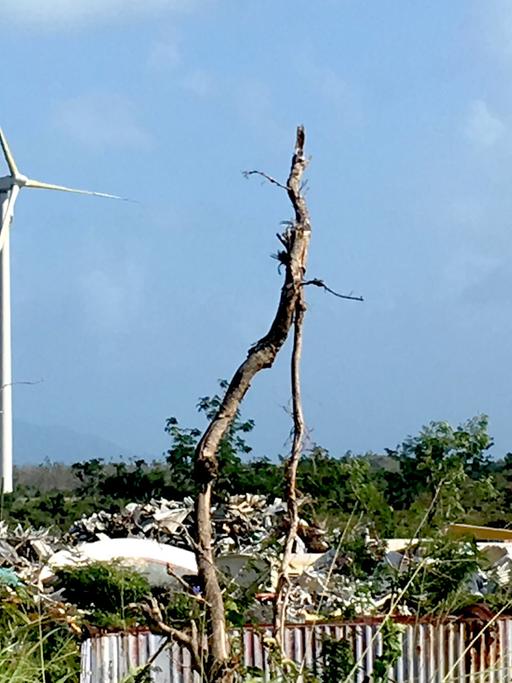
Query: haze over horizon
{"x": 130, "y": 312}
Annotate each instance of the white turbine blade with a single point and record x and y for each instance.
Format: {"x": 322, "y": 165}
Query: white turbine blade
{"x": 60, "y": 188}
{"x": 8, "y": 155}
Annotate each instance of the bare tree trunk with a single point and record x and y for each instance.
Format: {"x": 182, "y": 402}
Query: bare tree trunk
{"x": 283, "y": 581}
{"x": 295, "y": 240}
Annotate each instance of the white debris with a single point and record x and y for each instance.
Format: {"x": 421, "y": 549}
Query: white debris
{"x": 160, "y": 563}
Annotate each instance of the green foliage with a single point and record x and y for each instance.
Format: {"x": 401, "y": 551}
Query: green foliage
{"x": 20, "y": 662}
{"x": 239, "y": 602}
{"x": 234, "y": 475}
{"x": 136, "y": 480}
{"x": 337, "y": 660}
{"x": 346, "y": 485}
{"x": 280, "y": 670}
{"x": 141, "y": 675}
{"x": 179, "y": 608}
{"x": 91, "y": 475}
{"x": 106, "y": 591}
{"x": 440, "y": 462}
{"x": 357, "y": 558}
{"x": 180, "y": 458}
{"x": 443, "y": 473}
{"x": 54, "y": 509}
{"x": 391, "y": 651}
{"x": 437, "y": 583}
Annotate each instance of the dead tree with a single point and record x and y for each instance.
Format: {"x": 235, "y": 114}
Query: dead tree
{"x": 293, "y": 257}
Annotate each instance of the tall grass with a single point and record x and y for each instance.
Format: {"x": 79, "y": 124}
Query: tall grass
{"x": 36, "y": 645}
{"x": 21, "y": 661}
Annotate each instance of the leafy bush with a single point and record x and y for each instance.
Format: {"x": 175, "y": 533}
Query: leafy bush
{"x": 107, "y": 591}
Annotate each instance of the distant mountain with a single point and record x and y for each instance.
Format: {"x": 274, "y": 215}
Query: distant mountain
{"x": 34, "y": 443}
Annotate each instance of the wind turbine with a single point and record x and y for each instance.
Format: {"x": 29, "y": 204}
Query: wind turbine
{"x": 10, "y": 187}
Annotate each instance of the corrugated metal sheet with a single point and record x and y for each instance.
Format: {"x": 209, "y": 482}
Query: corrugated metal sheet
{"x": 451, "y": 651}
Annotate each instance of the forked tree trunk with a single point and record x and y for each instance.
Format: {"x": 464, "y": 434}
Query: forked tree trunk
{"x": 295, "y": 240}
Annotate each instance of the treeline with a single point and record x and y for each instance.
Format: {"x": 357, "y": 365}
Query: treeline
{"x": 444, "y": 474}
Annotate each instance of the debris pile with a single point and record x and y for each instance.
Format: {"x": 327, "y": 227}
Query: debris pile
{"x": 329, "y": 587}
{"x": 329, "y": 578}
{"x": 243, "y": 524}
{"x": 24, "y": 551}
{"x": 165, "y": 521}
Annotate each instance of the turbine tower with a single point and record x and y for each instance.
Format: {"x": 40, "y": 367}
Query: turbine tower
{"x": 10, "y": 187}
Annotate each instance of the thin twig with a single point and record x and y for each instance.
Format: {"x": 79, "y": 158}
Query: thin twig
{"x": 246, "y": 174}
{"x": 29, "y": 382}
{"x": 320, "y": 283}
{"x": 416, "y": 536}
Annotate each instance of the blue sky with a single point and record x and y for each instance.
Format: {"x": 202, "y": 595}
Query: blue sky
{"x": 129, "y": 312}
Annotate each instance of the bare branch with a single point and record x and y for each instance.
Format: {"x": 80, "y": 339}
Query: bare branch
{"x": 188, "y": 640}
{"x": 320, "y": 283}
{"x": 270, "y": 179}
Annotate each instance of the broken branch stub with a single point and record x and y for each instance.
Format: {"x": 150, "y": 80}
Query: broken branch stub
{"x": 295, "y": 239}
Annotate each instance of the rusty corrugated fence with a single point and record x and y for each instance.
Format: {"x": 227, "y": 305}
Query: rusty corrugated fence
{"x": 462, "y": 651}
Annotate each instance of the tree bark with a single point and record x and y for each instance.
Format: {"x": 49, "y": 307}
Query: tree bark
{"x": 295, "y": 240}
{"x": 283, "y": 581}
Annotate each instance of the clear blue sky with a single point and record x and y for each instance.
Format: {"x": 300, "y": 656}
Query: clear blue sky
{"x": 130, "y": 312}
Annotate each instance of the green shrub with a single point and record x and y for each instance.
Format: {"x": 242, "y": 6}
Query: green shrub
{"x": 337, "y": 660}
{"x": 107, "y": 591}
